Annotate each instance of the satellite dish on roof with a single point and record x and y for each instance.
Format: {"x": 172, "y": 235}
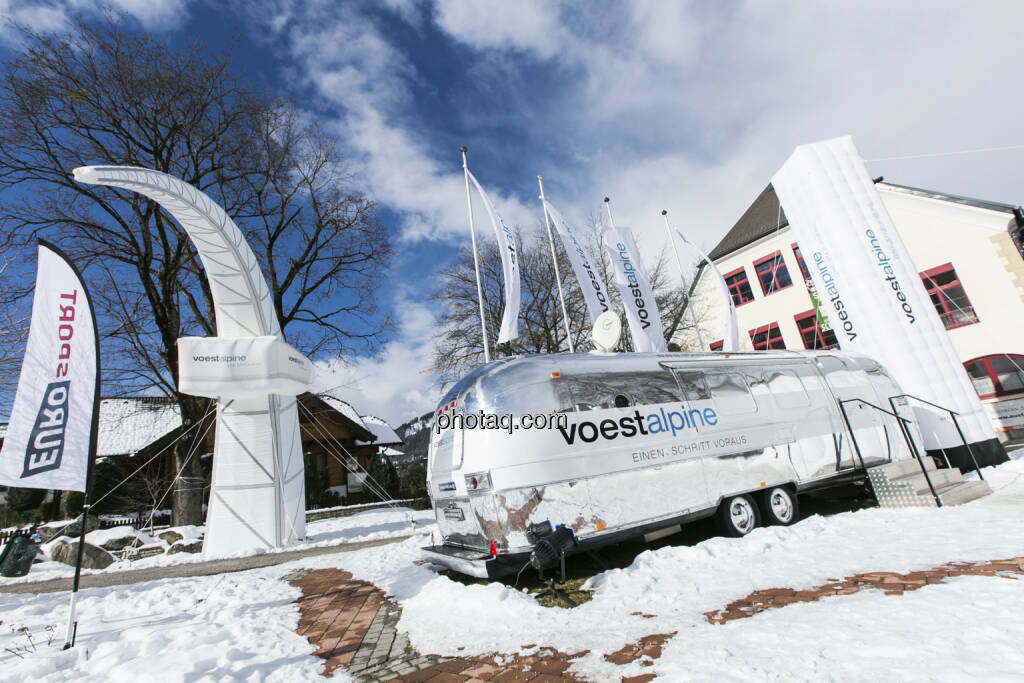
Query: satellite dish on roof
{"x": 606, "y": 332}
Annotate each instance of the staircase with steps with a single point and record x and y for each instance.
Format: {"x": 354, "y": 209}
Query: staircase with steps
{"x": 903, "y": 484}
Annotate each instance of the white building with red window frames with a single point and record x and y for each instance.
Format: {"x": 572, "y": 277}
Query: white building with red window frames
{"x": 970, "y": 258}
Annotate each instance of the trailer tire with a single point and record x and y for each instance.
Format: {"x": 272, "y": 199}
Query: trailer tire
{"x": 738, "y": 516}
{"x": 779, "y": 506}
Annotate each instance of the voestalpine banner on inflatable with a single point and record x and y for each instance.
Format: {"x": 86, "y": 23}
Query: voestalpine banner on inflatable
{"x": 590, "y": 282}
{"x": 214, "y": 367}
{"x": 869, "y": 287}
{"x": 509, "y": 267}
{"x": 257, "y": 497}
{"x": 637, "y": 297}
{"x": 49, "y": 439}
{"x": 730, "y": 336}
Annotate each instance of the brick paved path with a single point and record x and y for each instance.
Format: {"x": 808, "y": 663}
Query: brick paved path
{"x": 353, "y": 625}
{"x": 892, "y": 583}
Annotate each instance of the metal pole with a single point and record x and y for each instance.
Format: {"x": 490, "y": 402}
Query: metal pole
{"x": 476, "y": 263}
{"x": 970, "y": 451}
{"x": 608, "y": 208}
{"x": 682, "y": 277}
{"x": 853, "y": 438}
{"x": 554, "y": 259}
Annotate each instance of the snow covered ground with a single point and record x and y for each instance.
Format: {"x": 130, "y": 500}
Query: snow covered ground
{"x": 241, "y": 626}
{"x": 361, "y": 526}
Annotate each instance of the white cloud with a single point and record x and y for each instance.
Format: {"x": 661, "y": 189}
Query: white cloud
{"x": 352, "y": 64}
{"x": 526, "y": 25}
{"x": 56, "y": 15}
{"x": 693, "y": 107}
{"x": 155, "y": 15}
{"x": 397, "y": 384}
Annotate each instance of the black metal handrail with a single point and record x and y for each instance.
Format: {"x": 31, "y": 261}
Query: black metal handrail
{"x": 902, "y": 422}
{"x": 956, "y": 423}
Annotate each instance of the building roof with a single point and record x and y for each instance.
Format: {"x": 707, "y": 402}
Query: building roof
{"x": 342, "y": 407}
{"x": 347, "y": 413}
{"x": 127, "y": 425}
{"x": 760, "y": 219}
{"x": 765, "y": 215}
{"x": 386, "y": 436}
{"x": 958, "y": 199}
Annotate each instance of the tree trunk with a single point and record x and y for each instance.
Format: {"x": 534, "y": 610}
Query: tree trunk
{"x": 190, "y": 482}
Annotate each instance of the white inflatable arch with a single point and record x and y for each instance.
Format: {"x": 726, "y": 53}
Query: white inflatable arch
{"x": 257, "y": 498}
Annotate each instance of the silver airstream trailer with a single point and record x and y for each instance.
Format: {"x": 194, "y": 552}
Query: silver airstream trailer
{"x": 641, "y": 443}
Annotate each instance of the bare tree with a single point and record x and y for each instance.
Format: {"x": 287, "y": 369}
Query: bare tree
{"x": 13, "y": 331}
{"x": 541, "y": 328}
{"x": 104, "y": 95}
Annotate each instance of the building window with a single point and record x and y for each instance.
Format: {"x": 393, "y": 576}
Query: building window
{"x": 948, "y": 296}
{"x": 717, "y": 345}
{"x": 767, "y": 337}
{"x": 739, "y": 287}
{"x": 998, "y": 375}
{"x": 811, "y": 333}
{"x": 772, "y": 273}
{"x": 800, "y": 262}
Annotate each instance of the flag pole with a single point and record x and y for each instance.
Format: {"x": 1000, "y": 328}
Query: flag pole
{"x": 554, "y": 259}
{"x": 608, "y": 208}
{"x": 476, "y": 263}
{"x": 682, "y": 277}
{"x": 72, "y": 627}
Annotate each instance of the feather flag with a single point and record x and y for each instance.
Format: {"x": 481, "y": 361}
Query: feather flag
{"x": 509, "y": 266}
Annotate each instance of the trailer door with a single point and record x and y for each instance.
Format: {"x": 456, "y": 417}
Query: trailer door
{"x": 847, "y": 383}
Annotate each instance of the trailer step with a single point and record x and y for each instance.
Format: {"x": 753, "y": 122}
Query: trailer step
{"x": 903, "y": 484}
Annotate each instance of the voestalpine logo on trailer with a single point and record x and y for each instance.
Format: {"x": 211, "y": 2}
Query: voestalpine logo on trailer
{"x": 661, "y": 421}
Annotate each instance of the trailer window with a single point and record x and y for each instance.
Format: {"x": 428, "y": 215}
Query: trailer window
{"x": 535, "y": 397}
{"x": 447, "y": 451}
{"x": 692, "y": 384}
{"x": 730, "y": 393}
{"x": 786, "y": 387}
{"x": 616, "y": 390}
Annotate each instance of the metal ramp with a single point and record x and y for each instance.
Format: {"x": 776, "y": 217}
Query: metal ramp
{"x": 916, "y": 481}
{"x": 903, "y": 484}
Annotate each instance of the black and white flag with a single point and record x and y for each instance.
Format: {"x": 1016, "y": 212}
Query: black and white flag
{"x": 590, "y": 281}
{"x": 635, "y": 289}
{"x": 52, "y": 427}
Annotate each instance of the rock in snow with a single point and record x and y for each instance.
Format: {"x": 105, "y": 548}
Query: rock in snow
{"x": 92, "y": 557}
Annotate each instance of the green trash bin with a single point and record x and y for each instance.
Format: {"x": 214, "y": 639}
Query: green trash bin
{"x": 16, "y": 556}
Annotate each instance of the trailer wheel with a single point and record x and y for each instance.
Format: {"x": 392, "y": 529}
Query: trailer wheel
{"x": 738, "y": 516}
{"x": 779, "y": 506}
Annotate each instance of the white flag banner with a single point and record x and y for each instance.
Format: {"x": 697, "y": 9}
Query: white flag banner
{"x": 637, "y": 297}
{"x": 49, "y": 438}
{"x": 590, "y": 282}
{"x": 509, "y": 267}
{"x": 730, "y": 338}
{"x": 868, "y": 285}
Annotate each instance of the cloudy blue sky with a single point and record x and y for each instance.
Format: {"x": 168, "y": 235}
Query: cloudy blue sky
{"x": 686, "y": 106}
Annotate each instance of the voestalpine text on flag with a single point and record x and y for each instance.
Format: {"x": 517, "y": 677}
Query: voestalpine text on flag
{"x": 509, "y": 267}
{"x": 590, "y": 282}
{"x": 49, "y": 437}
{"x": 635, "y": 289}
